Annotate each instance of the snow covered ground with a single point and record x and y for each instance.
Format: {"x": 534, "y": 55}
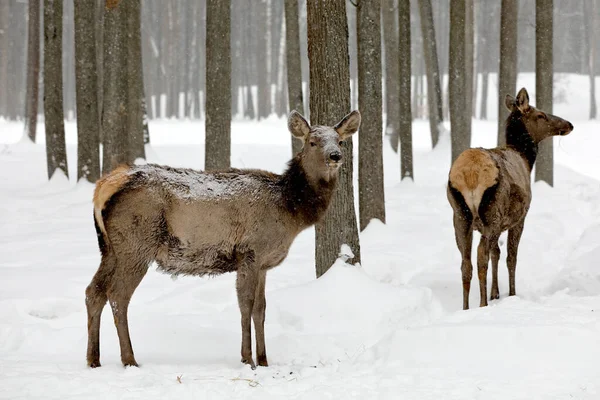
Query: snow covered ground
{"x": 391, "y": 328}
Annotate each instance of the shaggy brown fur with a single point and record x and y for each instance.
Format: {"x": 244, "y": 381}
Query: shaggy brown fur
{"x": 490, "y": 191}
{"x": 208, "y": 223}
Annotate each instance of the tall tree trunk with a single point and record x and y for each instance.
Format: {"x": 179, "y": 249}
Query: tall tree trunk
{"x": 392, "y": 77}
{"x": 592, "y": 34}
{"x": 469, "y": 65}
{"x": 457, "y": 80}
{"x": 370, "y": 152}
{"x": 33, "y": 69}
{"x": 404, "y": 72}
{"x": 99, "y": 32}
{"x": 294, "y": 67}
{"x": 135, "y": 82}
{"x": 218, "y": 85}
{"x": 434, "y": 89}
{"x": 484, "y": 40}
{"x": 86, "y": 86}
{"x": 544, "y": 73}
{"x": 263, "y": 62}
{"x": 5, "y": 7}
{"x": 507, "y": 76}
{"x": 56, "y": 151}
{"x": 114, "y": 114}
{"x": 329, "y": 101}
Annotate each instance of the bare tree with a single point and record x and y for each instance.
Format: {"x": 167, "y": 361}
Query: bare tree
{"x": 469, "y": 62}
{"x": 114, "y": 110}
{"x": 544, "y": 73}
{"x": 33, "y": 69}
{"x": 461, "y": 138}
{"x": 4, "y": 45}
{"x": 56, "y": 151}
{"x": 263, "y": 62}
{"x": 135, "y": 82}
{"x": 591, "y": 22}
{"x": 329, "y": 99}
{"x": 294, "y": 67}
{"x": 218, "y": 85}
{"x": 389, "y": 20}
{"x": 404, "y": 95}
{"x": 86, "y": 86}
{"x": 507, "y": 76}
{"x": 434, "y": 90}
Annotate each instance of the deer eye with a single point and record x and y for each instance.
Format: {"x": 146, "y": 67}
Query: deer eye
{"x": 313, "y": 144}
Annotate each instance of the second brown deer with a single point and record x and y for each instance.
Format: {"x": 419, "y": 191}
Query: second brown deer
{"x": 208, "y": 223}
{"x": 490, "y": 192}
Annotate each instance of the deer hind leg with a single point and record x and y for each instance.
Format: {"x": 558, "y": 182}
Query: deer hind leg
{"x": 246, "y": 287}
{"x": 483, "y": 259}
{"x": 258, "y": 315}
{"x": 495, "y": 257}
{"x": 119, "y": 294}
{"x": 95, "y": 299}
{"x": 514, "y": 237}
{"x": 463, "y": 232}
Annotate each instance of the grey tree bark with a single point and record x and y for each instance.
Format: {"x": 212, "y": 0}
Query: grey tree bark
{"x": 370, "y": 152}
{"x": 469, "y": 62}
{"x": 330, "y": 101}
{"x": 592, "y": 21}
{"x": 135, "y": 82}
{"x": 86, "y": 86}
{"x": 507, "y": 76}
{"x": 389, "y": 18}
{"x": 294, "y": 67}
{"x": 33, "y": 70}
{"x": 4, "y": 44}
{"x": 263, "y": 85}
{"x": 56, "y": 151}
{"x": 434, "y": 89}
{"x": 459, "y": 113}
{"x": 404, "y": 93}
{"x": 114, "y": 114}
{"x": 544, "y": 73}
{"x": 218, "y": 85}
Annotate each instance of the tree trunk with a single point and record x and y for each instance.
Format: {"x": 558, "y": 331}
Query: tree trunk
{"x": 434, "y": 89}
{"x": 4, "y": 44}
{"x": 370, "y": 152}
{"x": 114, "y": 115}
{"x": 56, "y": 151}
{"x": 507, "y": 76}
{"x": 294, "y": 67}
{"x": 457, "y": 80}
{"x": 392, "y": 77}
{"x": 99, "y": 32}
{"x": 404, "y": 72}
{"x": 135, "y": 82}
{"x": 33, "y": 69}
{"x": 218, "y": 85}
{"x": 469, "y": 65}
{"x": 591, "y": 17}
{"x": 329, "y": 102}
{"x": 86, "y": 86}
{"x": 263, "y": 63}
{"x": 544, "y": 10}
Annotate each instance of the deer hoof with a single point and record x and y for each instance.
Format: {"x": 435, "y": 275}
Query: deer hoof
{"x": 94, "y": 364}
{"x": 262, "y": 361}
{"x": 494, "y": 296}
{"x": 249, "y": 361}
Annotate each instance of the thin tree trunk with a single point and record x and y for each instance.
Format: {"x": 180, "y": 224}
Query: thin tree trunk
{"x": 329, "y": 101}
{"x": 507, "y": 76}
{"x": 263, "y": 63}
{"x": 457, "y": 79}
{"x": 392, "y": 77}
{"x": 434, "y": 90}
{"x": 114, "y": 115}
{"x": 5, "y": 7}
{"x": 592, "y": 32}
{"x": 469, "y": 66}
{"x": 135, "y": 82}
{"x": 99, "y": 32}
{"x": 86, "y": 85}
{"x": 404, "y": 72}
{"x": 218, "y": 85}
{"x": 56, "y": 151}
{"x": 294, "y": 68}
{"x": 370, "y": 160}
{"x": 33, "y": 70}
{"x": 544, "y": 73}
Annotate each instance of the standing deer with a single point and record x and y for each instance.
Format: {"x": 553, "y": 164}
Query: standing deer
{"x": 490, "y": 191}
{"x": 209, "y": 223}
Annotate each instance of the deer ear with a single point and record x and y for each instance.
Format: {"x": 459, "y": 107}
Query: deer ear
{"x": 522, "y": 101}
{"x": 348, "y": 125}
{"x": 298, "y": 125}
{"x": 509, "y": 102}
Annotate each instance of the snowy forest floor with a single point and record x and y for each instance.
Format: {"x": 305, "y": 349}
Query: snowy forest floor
{"x": 392, "y": 328}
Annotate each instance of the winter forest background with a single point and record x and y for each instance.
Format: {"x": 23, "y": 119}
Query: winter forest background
{"x": 208, "y": 84}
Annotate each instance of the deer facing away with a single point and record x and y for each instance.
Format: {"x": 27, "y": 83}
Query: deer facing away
{"x": 209, "y": 223}
{"x": 490, "y": 191}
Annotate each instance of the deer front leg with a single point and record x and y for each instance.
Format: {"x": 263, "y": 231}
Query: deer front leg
{"x": 258, "y": 315}
{"x": 514, "y": 237}
{"x": 246, "y": 284}
{"x": 495, "y": 257}
{"x": 464, "y": 240}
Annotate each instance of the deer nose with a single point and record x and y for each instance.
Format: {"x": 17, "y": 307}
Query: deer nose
{"x": 335, "y": 156}
{"x": 570, "y": 126}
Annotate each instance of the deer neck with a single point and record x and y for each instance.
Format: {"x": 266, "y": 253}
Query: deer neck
{"x": 305, "y": 198}
{"x": 519, "y": 139}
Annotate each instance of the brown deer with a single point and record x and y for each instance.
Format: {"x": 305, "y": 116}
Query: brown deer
{"x": 490, "y": 191}
{"x": 208, "y": 223}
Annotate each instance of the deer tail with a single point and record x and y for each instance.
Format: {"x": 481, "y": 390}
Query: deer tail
{"x": 106, "y": 188}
